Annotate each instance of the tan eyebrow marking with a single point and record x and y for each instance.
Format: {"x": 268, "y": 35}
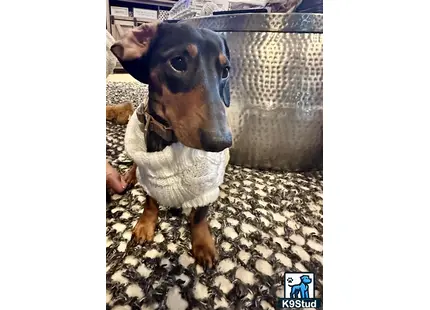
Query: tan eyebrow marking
{"x": 222, "y": 59}
{"x": 193, "y": 50}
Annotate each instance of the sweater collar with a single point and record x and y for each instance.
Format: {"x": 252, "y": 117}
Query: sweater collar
{"x": 151, "y": 124}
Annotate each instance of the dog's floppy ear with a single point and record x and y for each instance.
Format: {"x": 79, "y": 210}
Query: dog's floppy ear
{"x": 226, "y": 90}
{"x": 132, "y": 50}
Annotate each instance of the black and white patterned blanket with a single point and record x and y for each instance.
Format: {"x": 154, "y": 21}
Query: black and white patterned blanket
{"x": 264, "y": 224}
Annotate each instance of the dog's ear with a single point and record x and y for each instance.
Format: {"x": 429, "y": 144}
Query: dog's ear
{"x": 132, "y": 50}
{"x": 226, "y": 90}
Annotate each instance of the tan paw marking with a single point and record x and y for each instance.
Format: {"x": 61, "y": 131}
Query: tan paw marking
{"x": 144, "y": 231}
{"x": 203, "y": 246}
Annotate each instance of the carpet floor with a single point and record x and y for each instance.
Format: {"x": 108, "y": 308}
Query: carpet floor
{"x": 264, "y": 223}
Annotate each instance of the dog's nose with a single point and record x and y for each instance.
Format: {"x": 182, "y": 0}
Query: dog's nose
{"x": 212, "y": 142}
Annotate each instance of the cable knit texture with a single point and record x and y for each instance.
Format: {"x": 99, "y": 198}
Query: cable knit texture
{"x": 177, "y": 176}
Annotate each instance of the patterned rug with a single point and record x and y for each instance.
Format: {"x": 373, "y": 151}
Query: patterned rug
{"x": 264, "y": 223}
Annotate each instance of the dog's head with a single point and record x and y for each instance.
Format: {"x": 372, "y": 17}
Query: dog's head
{"x": 305, "y": 279}
{"x": 187, "y": 70}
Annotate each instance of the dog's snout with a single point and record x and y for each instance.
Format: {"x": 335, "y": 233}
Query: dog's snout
{"x": 212, "y": 142}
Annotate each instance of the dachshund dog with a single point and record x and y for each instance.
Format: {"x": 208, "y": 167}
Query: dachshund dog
{"x": 187, "y": 71}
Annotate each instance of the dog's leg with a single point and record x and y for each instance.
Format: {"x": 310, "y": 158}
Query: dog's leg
{"x": 302, "y": 292}
{"x": 130, "y": 176}
{"x": 306, "y": 293}
{"x": 203, "y": 246}
{"x": 145, "y": 227}
{"x": 294, "y": 291}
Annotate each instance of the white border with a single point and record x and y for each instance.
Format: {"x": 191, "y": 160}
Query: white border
{"x": 53, "y": 149}
{"x": 376, "y": 155}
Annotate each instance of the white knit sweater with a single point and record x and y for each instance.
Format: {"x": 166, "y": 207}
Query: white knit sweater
{"x": 177, "y": 176}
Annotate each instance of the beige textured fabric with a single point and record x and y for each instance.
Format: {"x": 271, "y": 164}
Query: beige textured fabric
{"x": 110, "y": 58}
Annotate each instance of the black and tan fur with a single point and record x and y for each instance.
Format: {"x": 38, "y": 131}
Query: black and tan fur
{"x": 187, "y": 70}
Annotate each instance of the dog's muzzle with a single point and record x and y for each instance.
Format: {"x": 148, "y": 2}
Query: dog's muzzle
{"x": 215, "y": 142}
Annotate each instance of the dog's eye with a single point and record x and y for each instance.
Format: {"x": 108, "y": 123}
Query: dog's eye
{"x": 179, "y": 64}
{"x": 225, "y": 72}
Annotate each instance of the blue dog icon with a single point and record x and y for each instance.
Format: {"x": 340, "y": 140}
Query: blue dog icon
{"x": 302, "y": 288}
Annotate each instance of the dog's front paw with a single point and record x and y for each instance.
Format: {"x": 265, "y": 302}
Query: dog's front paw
{"x": 203, "y": 249}
{"x": 130, "y": 176}
{"x": 144, "y": 231}
{"x": 205, "y": 254}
